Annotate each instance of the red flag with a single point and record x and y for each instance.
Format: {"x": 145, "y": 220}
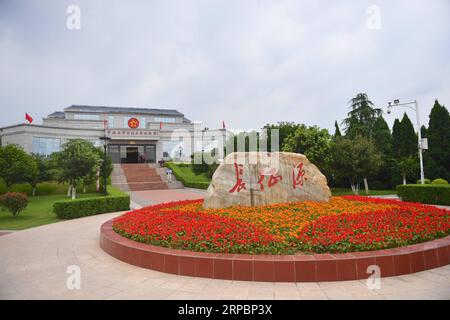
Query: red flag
{"x": 160, "y": 125}
{"x": 223, "y": 124}
{"x": 105, "y": 124}
{"x": 28, "y": 118}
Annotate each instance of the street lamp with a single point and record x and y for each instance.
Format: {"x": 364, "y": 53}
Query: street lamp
{"x": 105, "y": 140}
{"x": 422, "y": 143}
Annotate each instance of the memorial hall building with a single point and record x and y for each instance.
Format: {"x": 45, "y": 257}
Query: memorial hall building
{"x": 133, "y": 135}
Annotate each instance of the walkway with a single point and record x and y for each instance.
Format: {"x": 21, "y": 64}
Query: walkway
{"x": 33, "y": 265}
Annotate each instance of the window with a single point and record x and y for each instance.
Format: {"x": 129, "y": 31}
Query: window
{"x": 79, "y": 116}
{"x": 165, "y": 120}
{"x": 46, "y": 146}
{"x": 142, "y": 123}
{"x": 111, "y": 122}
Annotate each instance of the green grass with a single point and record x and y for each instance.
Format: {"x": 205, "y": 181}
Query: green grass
{"x": 42, "y": 189}
{"x": 362, "y": 192}
{"x": 184, "y": 174}
{"x": 188, "y": 174}
{"x": 40, "y": 211}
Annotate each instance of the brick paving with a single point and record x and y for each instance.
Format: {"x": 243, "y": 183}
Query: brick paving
{"x": 34, "y": 262}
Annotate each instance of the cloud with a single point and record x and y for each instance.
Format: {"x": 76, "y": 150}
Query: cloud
{"x": 246, "y": 62}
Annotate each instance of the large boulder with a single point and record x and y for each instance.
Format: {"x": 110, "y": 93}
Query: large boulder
{"x": 262, "y": 178}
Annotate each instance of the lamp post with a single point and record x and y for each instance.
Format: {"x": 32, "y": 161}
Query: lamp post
{"x": 413, "y": 105}
{"x": 105, "y": 140}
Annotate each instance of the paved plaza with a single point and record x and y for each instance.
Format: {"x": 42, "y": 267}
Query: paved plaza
{"x": 34, "y": 262}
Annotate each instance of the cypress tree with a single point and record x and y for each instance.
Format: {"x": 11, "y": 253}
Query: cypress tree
{"x": 423, "y": 131}
{"x": 396, "y": 138}
{"x": 408, "y": 143}
{"x": 382, "y": 136}
{"x": 439, "y": 143}
{"x": 337, "y": 132}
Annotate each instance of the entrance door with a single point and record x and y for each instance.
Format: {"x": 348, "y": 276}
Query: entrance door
{"x": 132, "y": 155}
{"x": 150, "y": 152}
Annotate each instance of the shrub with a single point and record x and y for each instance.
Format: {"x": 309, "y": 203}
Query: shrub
{"x": 429, "y": 194}
{"x": 70, "y": 209}
{"x": 14, "y": 202}
{"x": 427, "y": 181}
{"x": 439, "y": 181}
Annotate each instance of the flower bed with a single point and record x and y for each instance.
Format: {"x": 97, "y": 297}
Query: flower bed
{"x": 345, "y": 224}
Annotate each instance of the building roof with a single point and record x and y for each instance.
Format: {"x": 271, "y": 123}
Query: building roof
{"x": 104, "y": 109}
{"x": 57, "y": 114}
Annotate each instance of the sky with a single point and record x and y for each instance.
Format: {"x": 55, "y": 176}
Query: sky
{"x": 246, "y": 63}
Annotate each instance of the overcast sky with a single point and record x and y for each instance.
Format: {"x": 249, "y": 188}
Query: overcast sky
{"x": 246, "y": 62}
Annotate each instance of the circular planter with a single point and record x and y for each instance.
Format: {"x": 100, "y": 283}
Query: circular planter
{"x": 274, "y": 268}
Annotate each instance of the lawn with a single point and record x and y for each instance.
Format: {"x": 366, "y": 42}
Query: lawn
{"x": 188, "y": 174}
{"x": 43, "y": 189}
{"x": 184, "y": 173}
{"x": 38, "y": 212}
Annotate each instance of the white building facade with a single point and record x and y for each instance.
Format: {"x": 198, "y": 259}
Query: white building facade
{"x": 134, "y": 135}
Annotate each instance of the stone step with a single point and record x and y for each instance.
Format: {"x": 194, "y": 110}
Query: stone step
{"x": 140, "y": 177}
{"x": 147, "y": 186}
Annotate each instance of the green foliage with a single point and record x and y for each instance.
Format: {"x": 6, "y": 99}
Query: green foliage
{"x": 70, "y": 209}
{"x": 407, "y": 166}
{"x": 427, "y": 181}
{"x": 15, "y": 165}
{"x": 404, "y": 138}
{"x": 337, "y": 131}
{"x": 428, "y": 193}
{"x": 439, "y": 181}
{"x": 79, "y": 160}
{"x": 382, "y": 137}
{"x": 185, "y": 174}
{"x": 285, "y": 129}
{"x": 437, "y": 158}
{"x": 313, "y": 142}
{"x": 244, "y": 142}
{"x": 203, "y": 167}
{"x": 355, "y": 159}
{"x": 362, "y": 116}
{"x": 14, "y": 202}
{"x": 37, "y": 172}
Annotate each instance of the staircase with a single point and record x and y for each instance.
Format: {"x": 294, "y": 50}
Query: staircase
{"x": 140, "y": 177}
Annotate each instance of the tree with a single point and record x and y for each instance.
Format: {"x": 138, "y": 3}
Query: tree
{"x": 362, "y": 116}
{"x": 337, "y": 131}
{"x": 37, "y": 172}
{"x": 423, "y": 131}
{"x": 382, "y": 137}
{"x": 404, "y": 138}
{"x": 14, "y": 164}
{"x": 313, "y": 142}
{"x": 76, "y": 161}
{"x": 407, "y": 166}
{"x": 285, "y": 129}
{"x": 355, "y": 159}
{"x": 439, "y": 143}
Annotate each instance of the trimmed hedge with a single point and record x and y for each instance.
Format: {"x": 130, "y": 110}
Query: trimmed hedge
{"x": 186, "y": 183}
{"x": 439, "y": 181}
{"x": 71, "y": 209}
{"x": 428, "y": 193}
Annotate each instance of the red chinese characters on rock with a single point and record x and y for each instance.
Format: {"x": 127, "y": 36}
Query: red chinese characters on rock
{"x": 240, "y": 184}
{"x": 273, "y": 179}
{"x": 298, "y": 176}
